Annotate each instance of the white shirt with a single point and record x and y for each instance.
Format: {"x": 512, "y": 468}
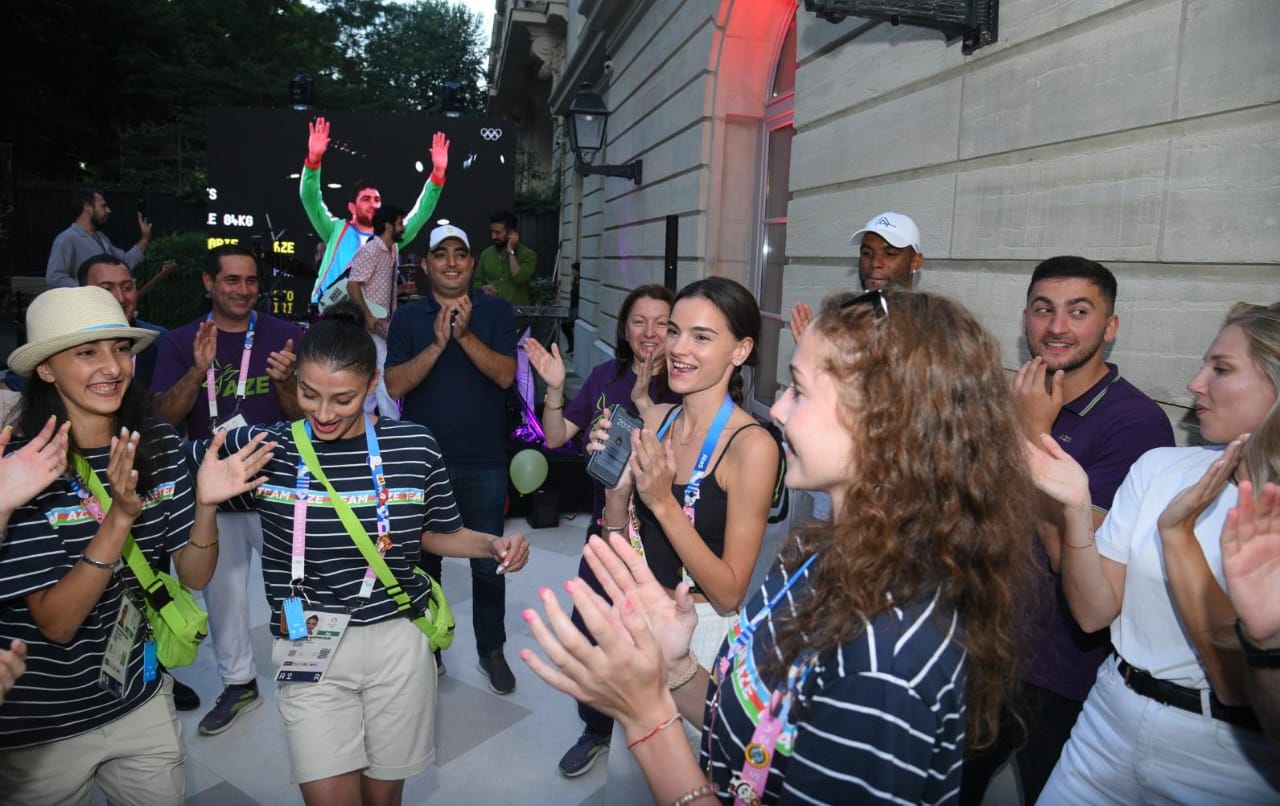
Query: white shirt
{"x": 1148, "y": 633}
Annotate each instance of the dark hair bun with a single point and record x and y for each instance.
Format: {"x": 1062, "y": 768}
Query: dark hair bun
{"x": 346, "y": 312}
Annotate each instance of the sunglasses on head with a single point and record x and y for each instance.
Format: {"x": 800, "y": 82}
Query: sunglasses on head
{"x": 875, "y": 299}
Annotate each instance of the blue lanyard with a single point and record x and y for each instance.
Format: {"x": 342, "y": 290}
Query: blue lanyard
{"x": 381, "y": 497}
{"x": 708, "y": 448}
{"x": 750, "y": 628}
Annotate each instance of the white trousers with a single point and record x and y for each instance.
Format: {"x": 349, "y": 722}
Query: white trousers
{"x": 381, "y": 399}
{"x": 1126, "y": 748}
{"x": 625, "y": 784}
{"x": 227, "y": 596}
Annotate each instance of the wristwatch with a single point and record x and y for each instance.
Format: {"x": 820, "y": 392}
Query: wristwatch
{"x": 511, "y": 252}
{"x": 1255, "y": 655}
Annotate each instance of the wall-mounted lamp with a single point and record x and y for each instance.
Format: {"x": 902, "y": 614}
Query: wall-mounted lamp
{"x": 587, "y": 118}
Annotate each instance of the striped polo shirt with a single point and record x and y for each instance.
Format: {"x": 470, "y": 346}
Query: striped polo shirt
{"x": 419, "y": 500}
{"x": 58, "y": 697}
{"x": 881, "y": 719}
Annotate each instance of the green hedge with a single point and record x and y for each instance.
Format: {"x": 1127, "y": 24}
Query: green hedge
{"x": 178, "y": 298}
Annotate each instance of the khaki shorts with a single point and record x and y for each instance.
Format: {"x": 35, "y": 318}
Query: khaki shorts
{"x": 136, "y": 759}
{"x": 374, "y": 711}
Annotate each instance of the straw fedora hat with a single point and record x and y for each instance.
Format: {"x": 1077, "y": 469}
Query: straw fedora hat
{"x": 62, "y": 318}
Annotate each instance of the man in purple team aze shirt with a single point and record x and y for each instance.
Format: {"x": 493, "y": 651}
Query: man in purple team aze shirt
{"x": 246, "y": 357}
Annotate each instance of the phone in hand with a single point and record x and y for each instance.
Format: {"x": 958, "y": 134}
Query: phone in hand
{"x": 606, "y": 466}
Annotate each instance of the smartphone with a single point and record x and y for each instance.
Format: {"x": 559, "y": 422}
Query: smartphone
{"x": 606, "y": 466}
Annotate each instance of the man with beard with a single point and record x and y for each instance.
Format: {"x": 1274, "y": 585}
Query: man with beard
{"x": 1067, "y": 390}
{"x": 373, "y": 287}
{"x": 506, "y": 268}
{"x": 343, "y": 238}
{"x": 232, "y": 368}
{"x": 85, "y": 238}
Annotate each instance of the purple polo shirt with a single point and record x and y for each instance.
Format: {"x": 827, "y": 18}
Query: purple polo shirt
{"x": 1105, "y": 429}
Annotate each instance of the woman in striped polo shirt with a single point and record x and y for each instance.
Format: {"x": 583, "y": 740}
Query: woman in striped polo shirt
{"x": 90, "y": 710}
{"x": 882, "y": 644}
{"x": 359, "y": 729}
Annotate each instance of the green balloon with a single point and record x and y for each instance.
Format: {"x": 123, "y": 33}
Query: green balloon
{"x": 528, "y": 470}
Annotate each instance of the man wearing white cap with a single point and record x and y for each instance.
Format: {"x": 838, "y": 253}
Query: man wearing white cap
{"x": 451, "y": 356}
{"x": 888, "y": 251}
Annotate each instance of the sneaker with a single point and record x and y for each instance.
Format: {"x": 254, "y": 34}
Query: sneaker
{"x": 494, "y": 666}
{"x": 440, "y": 667}
{"x": 583, "y": 754}
{"x": 232, "y": 702}
{"x": 185, "y": 697}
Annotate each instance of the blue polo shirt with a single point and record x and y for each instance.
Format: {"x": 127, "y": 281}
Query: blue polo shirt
{"x": 465, "y": 411}
{"x": 1105, "y": 429}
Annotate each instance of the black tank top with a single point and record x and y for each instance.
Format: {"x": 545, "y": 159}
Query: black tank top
{"x": 709, "y": 517}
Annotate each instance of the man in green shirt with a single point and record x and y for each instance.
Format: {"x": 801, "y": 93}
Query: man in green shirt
{"x": 506, "y": 268}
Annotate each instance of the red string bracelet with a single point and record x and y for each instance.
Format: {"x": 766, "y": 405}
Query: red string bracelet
{"x": 673, "y": 720}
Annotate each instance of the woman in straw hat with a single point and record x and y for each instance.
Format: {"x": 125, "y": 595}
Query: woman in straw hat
{"x": 89, "y": 711}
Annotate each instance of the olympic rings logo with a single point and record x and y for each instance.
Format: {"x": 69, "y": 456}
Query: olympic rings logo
{"x": 490, "y": 134}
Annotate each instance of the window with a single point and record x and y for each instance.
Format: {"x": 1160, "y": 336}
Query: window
{"x": 779, "y": 113}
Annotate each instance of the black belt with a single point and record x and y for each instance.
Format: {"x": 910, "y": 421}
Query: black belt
{"x": 1188, "y": 699}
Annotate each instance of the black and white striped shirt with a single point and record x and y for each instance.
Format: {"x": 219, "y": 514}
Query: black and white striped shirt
{"x": 880, "y": 720}
{"x": 58, "y": 697}
{"x": 420, "y": 500}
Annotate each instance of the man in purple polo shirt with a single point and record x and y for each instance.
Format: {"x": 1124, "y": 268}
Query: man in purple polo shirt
{"x": 1068, "y": 390}
{"x": 247, "y": 357}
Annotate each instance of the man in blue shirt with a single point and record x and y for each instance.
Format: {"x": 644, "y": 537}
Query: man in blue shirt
{"x": 451, "y": 357}
{"x": 85, "y": 238}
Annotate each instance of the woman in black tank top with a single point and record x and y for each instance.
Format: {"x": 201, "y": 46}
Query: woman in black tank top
{"x": 701, "y": 502}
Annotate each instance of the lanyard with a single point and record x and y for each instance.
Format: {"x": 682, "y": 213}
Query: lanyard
{"x": 242, "y": 382}
{"x": 749, "y": 629}
{"x": 381, "y": 496}
{"x": 90, "y": 501}
{"x": 704, "y": 457}
{"x": 758, "y": 754}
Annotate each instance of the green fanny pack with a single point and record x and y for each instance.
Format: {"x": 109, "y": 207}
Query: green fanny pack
{"x": 177, "y": 623}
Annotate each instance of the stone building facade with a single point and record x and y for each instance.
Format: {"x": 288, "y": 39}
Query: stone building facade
{"x": 1141, "y": 133}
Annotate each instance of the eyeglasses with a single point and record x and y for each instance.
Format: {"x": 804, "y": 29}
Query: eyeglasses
{"x": 875, "y": 298}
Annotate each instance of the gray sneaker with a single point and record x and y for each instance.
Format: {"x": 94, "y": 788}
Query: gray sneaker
{"x": 584, "y": 753}
{"x": 232, "y": 702}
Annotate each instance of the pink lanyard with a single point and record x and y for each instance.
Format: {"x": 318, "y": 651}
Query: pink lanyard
{"x": 302, "y": 492}
{"x": 242, "y": 382}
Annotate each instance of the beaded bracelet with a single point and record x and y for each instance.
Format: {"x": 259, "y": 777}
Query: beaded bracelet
{"x": 686, "y": 675}
{"x": 673, "y": 720}
{"x": 689, "y": 797}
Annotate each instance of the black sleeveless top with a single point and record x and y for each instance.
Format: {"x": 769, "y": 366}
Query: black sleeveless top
{"x": 709, "y": 517}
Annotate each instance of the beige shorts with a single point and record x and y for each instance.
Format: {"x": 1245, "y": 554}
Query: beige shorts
{"x": 374, "y": 711}
{"x": 137, "y": 759}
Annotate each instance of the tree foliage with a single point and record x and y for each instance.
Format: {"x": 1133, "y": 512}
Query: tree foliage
{"x": 115, "y": 92}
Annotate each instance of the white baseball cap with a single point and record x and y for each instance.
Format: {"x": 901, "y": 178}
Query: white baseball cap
{"x": 895, "y": 228}
{"x": 443, "y": 232}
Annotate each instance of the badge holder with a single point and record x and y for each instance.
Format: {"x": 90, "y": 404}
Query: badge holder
{"x": 113, "y": 676}
{"x": 293, "y": 619}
